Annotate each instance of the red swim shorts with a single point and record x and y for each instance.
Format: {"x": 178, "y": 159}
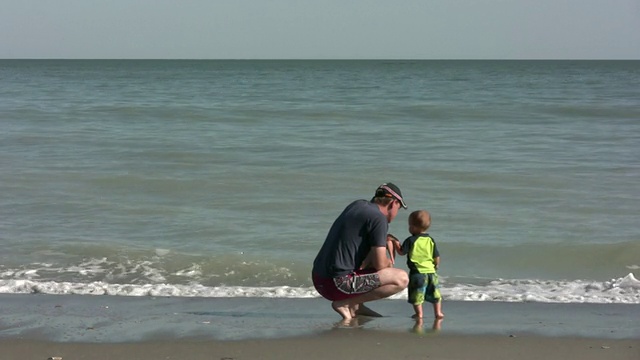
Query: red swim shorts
{"x": 346, "y": 286}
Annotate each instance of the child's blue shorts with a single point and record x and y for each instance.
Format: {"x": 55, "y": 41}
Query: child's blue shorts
{"x": 424, "y": 287}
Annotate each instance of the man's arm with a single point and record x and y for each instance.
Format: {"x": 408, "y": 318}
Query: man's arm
{"x": 396, "y": 243}
{"x": 379, "y": 260}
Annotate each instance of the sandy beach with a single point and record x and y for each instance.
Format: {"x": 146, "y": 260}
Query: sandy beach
{"x": 114, "y": 327}
{"x": 338, "y": 345}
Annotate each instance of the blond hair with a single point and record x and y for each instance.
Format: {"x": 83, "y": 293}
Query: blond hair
{"x": 420, "y": 219}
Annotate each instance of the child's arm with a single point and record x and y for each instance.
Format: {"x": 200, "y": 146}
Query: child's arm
{"x": 397, "y": 245}
{"x": 436, "y": 261}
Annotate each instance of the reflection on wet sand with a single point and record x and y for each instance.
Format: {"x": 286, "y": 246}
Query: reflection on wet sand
{"x": 419, "y": 327}
{"x": 355, "y": 322}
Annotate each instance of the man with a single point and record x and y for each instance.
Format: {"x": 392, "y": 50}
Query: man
{"x": 359, "y": 237}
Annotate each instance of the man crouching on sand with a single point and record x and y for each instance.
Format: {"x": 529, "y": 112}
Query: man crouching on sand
{"x": 352, "y": 266}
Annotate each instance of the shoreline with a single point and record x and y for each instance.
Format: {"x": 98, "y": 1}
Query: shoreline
{"x": 37, "y": 326}
{"x": 118, "y": 319}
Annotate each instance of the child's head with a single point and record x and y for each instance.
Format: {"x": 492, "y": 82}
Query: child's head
{"x": 419, "y": 222}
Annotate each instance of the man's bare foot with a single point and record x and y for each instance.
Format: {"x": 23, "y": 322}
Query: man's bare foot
{"x": 353, "y": 309}
{"x": 342, "y": 309}
{"x": 365, "y": 311}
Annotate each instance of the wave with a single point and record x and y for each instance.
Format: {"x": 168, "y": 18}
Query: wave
{"x": 624, "y": 290}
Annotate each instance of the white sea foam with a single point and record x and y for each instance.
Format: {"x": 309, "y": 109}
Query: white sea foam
{"x": 625, "y": 290}
{"x": 621, "y": 290}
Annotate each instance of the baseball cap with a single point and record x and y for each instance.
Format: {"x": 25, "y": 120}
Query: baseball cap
{"x": 390, "y": 190}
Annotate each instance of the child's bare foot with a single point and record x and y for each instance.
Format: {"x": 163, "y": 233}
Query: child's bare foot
{"x": 416, "y": 316}
{"x": 342, "y": 309}
{"x": 437, "y": 310}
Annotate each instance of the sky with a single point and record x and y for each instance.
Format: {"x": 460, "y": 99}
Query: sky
{"x": 321, "y": 29}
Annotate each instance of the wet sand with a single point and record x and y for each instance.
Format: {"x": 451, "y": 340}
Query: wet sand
{"x": 113, "y": 327}
{"x": 338, "y": 345}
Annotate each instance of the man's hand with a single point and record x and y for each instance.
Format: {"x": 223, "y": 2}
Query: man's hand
{"x": 394, "y": 240}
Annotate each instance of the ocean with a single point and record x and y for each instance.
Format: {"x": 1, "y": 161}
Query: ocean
{"x": 221, "y": 178}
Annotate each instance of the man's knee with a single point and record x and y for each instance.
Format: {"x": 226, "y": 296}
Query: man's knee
{"x": 403, "y": 279}
{"x": 393, "y": 276}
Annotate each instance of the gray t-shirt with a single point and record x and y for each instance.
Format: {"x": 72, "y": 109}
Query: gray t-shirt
{"x": 360, "y": 227}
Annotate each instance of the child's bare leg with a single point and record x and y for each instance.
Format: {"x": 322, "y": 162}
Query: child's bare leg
{"x": 418, "y": 311}
{"x": 437, "y": 310}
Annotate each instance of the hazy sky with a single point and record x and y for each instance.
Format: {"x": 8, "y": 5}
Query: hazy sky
{"x": 321, "y": 29}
